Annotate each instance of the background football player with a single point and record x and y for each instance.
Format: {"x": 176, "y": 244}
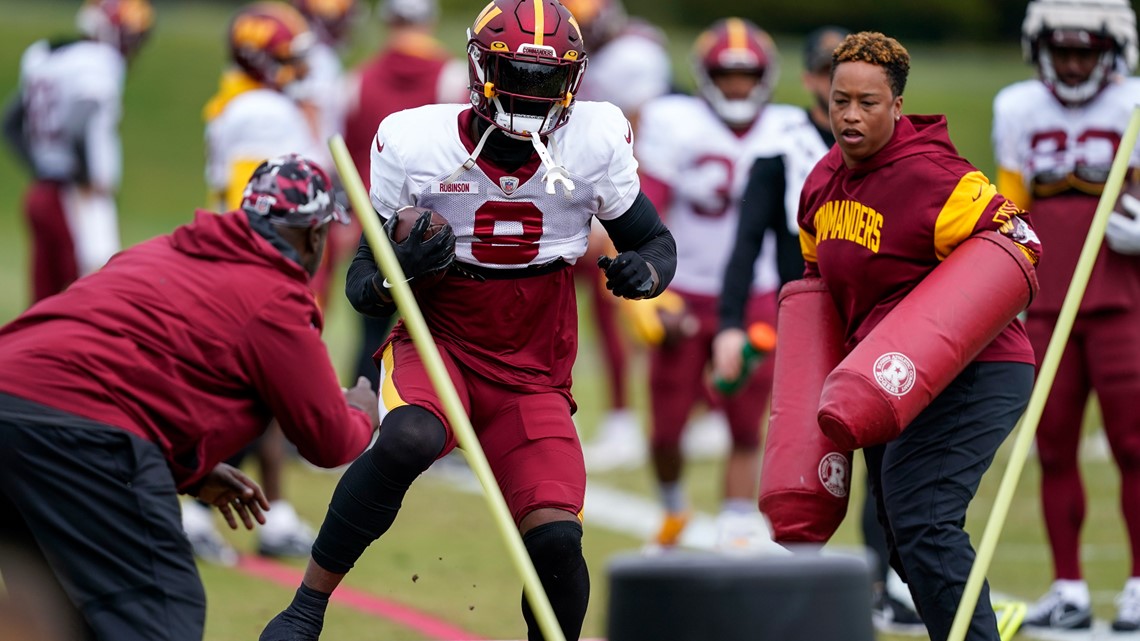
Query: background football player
{"x": 691, "y": 175}
{"x": 519, "y": 175}
{"x": 1055, "y": 138}
{"x": 629, "y": 66}
{"x": 64, "y": 124}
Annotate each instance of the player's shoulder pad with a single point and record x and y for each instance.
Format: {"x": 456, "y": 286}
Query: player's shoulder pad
{"x": 265, "y": 108}
{"x": 1020, "y": 97}
{"x": 420, "y": 127}
{"x": 596, "y": 133}
{"x": 1131, "y": 87}
{"x": 671, "y": 106}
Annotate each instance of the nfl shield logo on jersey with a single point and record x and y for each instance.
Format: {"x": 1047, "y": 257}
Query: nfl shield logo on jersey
{"x": 508, "y": 184}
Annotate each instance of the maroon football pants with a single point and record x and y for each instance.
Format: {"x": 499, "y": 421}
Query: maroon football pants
{"x": 1102, "y": 355}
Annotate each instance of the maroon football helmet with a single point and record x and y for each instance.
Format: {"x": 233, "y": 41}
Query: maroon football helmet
{"x": 735, "y": 45}
{"x": 526, "y": 60}
{"x": 123, "y": 24}
{"x": 270, "y": 41}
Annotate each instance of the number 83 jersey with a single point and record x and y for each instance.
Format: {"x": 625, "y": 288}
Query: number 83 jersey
{"x": 506, "y": 220}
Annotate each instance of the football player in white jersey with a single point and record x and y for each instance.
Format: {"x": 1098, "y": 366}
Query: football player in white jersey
{"x": 65, "y": 126}
{"x": 250, "y": 119}
{"x": 323, "y": 89}
{"x": 691, "y": 173}
{"x": 1055, "y": 138}
{"x": 629, "y": 66}
{"x": 519, "y": 174}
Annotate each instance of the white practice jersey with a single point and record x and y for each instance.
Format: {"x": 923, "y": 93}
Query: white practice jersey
{"x": 325, "y": 87}
{"x": 1038, "y": 137}
{"x": 72, "y": 98}
{"x": 682, "y": 143}
{"x": 799, "y": 142}
{"x": 506, "y": 221}
{"x": 628, "y": 71}
{"x": 254, "y": 126}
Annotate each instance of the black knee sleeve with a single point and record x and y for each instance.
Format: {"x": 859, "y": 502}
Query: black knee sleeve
{"x": 556, "y": 550}
{"x": 370, "y": 493}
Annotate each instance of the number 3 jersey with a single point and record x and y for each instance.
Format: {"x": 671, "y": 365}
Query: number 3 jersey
{"x": 1053, "y": 160}
{"x": 518, "y": 325}
{"x": 704, "y": 165}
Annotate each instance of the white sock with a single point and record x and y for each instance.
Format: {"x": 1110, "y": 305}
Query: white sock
{"x": 738, "y": 506}
{"x": 673, "y": 497}
{"x": 1132, "y": 585}
{"x": 1074, "y": 591}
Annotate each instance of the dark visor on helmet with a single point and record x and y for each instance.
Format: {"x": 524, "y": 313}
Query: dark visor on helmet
{"x": 532, "y": 78}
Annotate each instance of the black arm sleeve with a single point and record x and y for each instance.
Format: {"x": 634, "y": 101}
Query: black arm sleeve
{"x": 761, "y": 209}
{"x": 13, "y": 127}
{"x": 640, "y": 229}
{"x": 360, "y": 285}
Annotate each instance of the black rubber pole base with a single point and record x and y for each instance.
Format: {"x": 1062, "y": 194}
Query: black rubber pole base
{"x": 690, "y": 596}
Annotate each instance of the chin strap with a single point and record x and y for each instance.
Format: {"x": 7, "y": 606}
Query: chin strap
{"x": 555, "y": 173}
{"x": 470, "y": 162}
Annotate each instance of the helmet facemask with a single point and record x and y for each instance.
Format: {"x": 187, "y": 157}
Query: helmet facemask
{"x": 531, "y": 90}
{"x": 736, "y": 112}
{"x": 1101, "y": 74}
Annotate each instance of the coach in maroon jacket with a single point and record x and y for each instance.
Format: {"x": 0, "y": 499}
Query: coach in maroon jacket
{"x": 135, "y": 383}
{"x": 919, "y": 200}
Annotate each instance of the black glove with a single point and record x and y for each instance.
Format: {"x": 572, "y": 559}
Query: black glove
{"x": 419, "y": 257}
{"x": 628, "y": 275}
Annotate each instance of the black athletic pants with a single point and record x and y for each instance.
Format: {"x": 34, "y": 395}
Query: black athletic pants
{"x": 94, "y": 512}
{"x": 924, "y": 481}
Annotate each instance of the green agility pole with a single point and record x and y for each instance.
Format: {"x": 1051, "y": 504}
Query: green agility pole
{"x": 453, "y": 408}
{"x": 1045, "y": 375}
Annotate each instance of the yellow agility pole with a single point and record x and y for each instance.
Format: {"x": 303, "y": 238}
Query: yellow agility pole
{"x": 453, "y": 408}
{"x": 1045, "y": 375}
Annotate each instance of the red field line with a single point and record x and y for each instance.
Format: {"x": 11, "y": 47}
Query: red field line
{"x": 421, "y": 622}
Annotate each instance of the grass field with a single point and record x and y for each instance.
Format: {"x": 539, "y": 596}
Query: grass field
{"x": 444, "y": 537}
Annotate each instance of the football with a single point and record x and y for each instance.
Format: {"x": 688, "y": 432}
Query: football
{"x": 407, "y": 216}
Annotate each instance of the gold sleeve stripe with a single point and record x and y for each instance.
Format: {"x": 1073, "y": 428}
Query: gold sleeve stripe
{"x": 490, "y": 12}
{"x": 388, "y": 394}
{"x": 1012, "y": 185}
{"x": 240, "y": 172}
{"x": 961, "y": 212}
{"x": 807, "y": 246}
{"x": 539, "y": 22}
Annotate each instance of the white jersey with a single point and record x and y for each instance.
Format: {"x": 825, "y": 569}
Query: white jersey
{"x": 1036, "y": 136}
{"x": 253, "y": 126}
{"x": 628, "y": 71}
{"x": 799, "y": 142}
{"x": 72, "y": 98}
{"x": 325, "y": 87}
{"x": 506, "y": 221}
{"x": 683, "y": 144}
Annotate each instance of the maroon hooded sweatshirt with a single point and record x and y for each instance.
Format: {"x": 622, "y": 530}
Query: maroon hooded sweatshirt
{"x": 192, "y": 341}
{"x": 874, "y": 231}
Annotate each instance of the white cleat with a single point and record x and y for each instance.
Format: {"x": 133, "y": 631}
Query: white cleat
{"x": 618, "y": 444}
